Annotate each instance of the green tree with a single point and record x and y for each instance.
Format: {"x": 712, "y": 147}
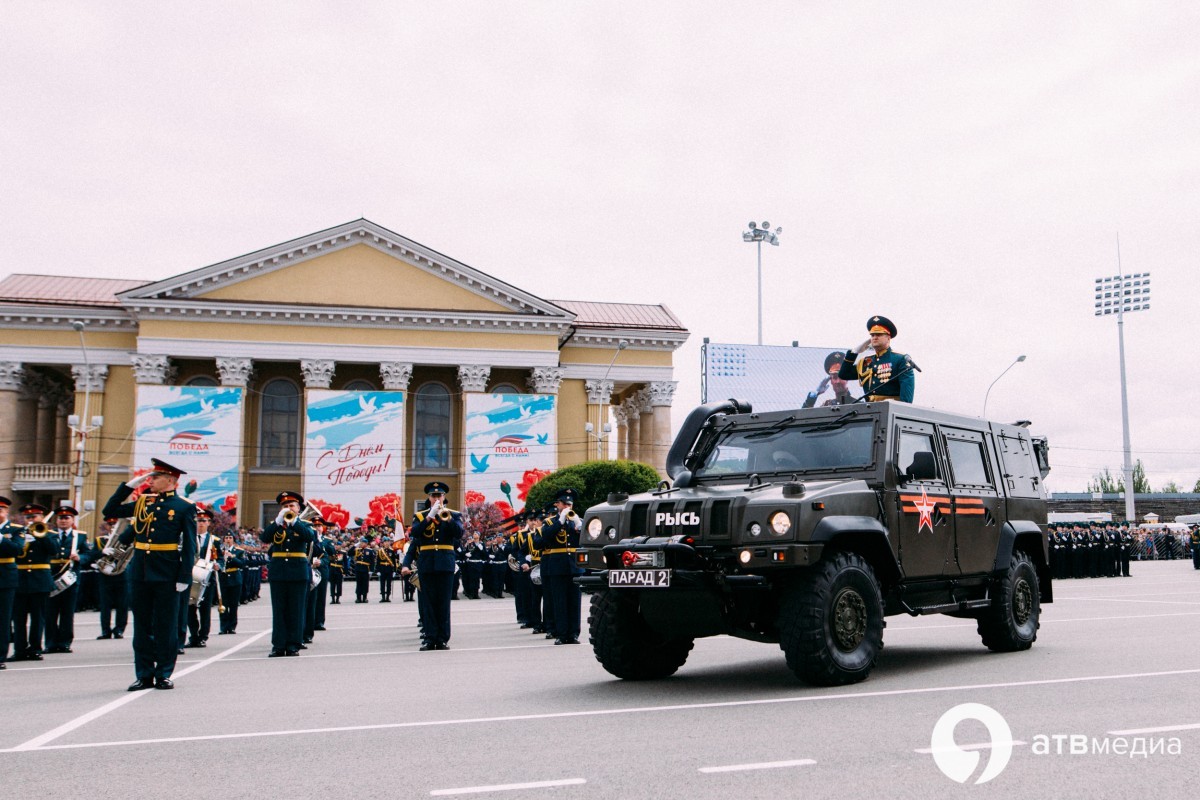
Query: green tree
{"x": 1196, "y": 488}
{"x": 592, "y": 482}
{"x": 1172, "y": 487}
{"x": 1108, "y": 483}
{"x": 1140, "y": 484}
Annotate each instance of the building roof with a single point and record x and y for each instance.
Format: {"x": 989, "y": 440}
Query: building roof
{"x": 64, "y": 290}
{"x": 620, "y": 315}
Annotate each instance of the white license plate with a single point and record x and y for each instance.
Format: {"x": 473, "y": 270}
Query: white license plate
{"x": 639, "y": 578}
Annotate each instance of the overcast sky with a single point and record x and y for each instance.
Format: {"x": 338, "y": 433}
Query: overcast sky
{"x": 963, "y": 168}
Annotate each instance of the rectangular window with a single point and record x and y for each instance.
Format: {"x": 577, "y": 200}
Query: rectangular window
{"x": 967, "y": 463}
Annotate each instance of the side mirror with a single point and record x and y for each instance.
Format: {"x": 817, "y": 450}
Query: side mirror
{"x": 922, "y": 468}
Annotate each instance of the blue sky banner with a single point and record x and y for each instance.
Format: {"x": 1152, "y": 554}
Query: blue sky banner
{"x": 199, "y": 430}
{"x": 512, "y": 441}
{"x": 354, "y": 454}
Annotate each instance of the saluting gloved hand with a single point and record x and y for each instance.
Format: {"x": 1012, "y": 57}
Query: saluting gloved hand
{"x": 134, "y": 483}
{"x": 181, "y": 587}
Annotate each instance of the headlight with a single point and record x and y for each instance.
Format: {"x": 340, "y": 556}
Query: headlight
{"x": 612, "y": 534}
{"x": 755, "y": 529}
{"x": 744, "y": 556}
{"x": 781, "y": 523}
{"x": 595, "y": 527}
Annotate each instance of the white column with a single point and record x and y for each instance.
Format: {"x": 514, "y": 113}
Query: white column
{"x": 661, "y": 395}
{"x": 318, "y": 372}
{"x": 151, "y": 369}
{"x": 646, "y": 452}
{"x": 235, "y": 372}
{"x": 11, "y": 375}
{"x": 545, "y": 380}
{"x": 633, "y": 414}
{"x": 396, "y": 375}
{"x": 621, "y": 415}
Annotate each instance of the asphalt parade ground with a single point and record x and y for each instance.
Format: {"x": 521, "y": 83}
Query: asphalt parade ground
{"x": 507, "y": 714}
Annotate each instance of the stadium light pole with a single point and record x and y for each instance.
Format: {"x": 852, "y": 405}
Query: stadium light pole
{"x": 993, "y": 383}
{"x": 758, "y": 236}
{"x": 1120, "y": 295}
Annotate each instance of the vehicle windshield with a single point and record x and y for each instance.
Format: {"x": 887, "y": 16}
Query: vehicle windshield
{"x": 798, "y": 449}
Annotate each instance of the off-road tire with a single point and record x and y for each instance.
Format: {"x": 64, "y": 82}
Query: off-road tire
{"x": 626, "y": 645}
{"x": 831, "y": 621}
{"x": 1011, "y": 622}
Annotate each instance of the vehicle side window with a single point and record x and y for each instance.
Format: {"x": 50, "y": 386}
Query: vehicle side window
{"x": 967, "y": 463}
{"x": 912, "y": 442}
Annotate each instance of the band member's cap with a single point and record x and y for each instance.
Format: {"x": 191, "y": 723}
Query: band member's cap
{"x": 203, "y": 513}
{"x": 834, "y": 361}
{"x": 565, "y": 496}
{"x": 436, "y": 487}
{"x": 5, "y": 502}
{"x": 66, "y": 510}
{"x": 165, "y": 468}
{"x": 34, "y": 508}
{"x": 289, "y": 497}
{"x": 878, "y": 324}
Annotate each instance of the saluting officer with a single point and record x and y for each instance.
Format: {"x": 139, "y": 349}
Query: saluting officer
{"x": 163, "y": 534}
{"x": 73, "y": 550}
{"x": 435, "y": 532}
{"x": 12, "y": 544}
{"x": 884, "y": 375}
{"x": 834, "y": 380}
{"x": 289, "y": 574}
{"x": 34, "y": 582}
{"x": 558, "y": 540}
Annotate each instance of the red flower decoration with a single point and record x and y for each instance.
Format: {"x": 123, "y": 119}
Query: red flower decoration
{"x": 474, "y": 497}
{"x": 384, "y": 507}
{"x": 229, "y": 504}
{"x": 333, "y": 512}
{"x": 531, "y": 477}
{"x": 504, "y": 508}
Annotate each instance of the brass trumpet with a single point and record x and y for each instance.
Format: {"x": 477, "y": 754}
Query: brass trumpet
{"x": 38, "y": 529}
{"x": 310, "y": 512}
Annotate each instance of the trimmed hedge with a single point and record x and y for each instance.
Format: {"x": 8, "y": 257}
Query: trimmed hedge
{"x": 592, "y": 482}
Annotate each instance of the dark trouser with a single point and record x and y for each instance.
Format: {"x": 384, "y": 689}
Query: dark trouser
{"x": 335, "y": 585}
{"x": 521, "y": 599}
{"x": 1195, "y": 556}
{"x": 409, "y": 589}
{"x": 287, "y": 613}
{"x": 1125, "y": 562}
{"x": 385, "y": 583}
{"x": 28, "y": 621}
{"x": 310, "y": 611}
{"x": 436, "y": 588}
{"x": 493, "y": 576}
{"x": 533, "y": 599}
{"x": 322, "y": 593}
{"x": 155, "y": 606}
{"x": 564, "y": 596}
{"x": 114, "y": 596}
{"x": 199, "y": 617}
{"x": 6, "y": 607}
{"x": 181, "y": 630}
{"x": 472, "y": 573}
{"x": 362, "y": 585}
{"x": 60, "y": 617}
{"x": 543, "y": 599}
{"x": 232, "y": 596}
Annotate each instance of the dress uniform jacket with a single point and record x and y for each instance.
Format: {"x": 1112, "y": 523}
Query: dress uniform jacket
{"x": 434, "y": 542}
{"x": 289, "y": 555}
{"x": 35, "y": 574}
{"x": 11, "y": 546}
{"x": 887, "y": 375}
{"x": 166, "y": 550}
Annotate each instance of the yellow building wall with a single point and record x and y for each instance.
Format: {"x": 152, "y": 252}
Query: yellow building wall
{"x": 628, "y": 357}
{"x": 379, "y": 280}
{"x": 119, "y": 340}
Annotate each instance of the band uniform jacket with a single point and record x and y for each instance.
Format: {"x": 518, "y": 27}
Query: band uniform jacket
{"x": 230, "y": 567}
{"x": 558, "y": 541}
{"x": 385, "y": 561}
{"x": 12, "y": 544}
{"x": 83, "y": 549}
{"x": 889, "y": 374}
{"x": 165, "y": 540}
{"x": 324, "y": 550}
{"x": 289, "y": 551}
{"x": 364, "y": 559}
{"x": 434, "y": 542}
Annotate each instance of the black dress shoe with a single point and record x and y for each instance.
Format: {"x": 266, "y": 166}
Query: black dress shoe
{"x": 164, "y": 683}
{"x": 427, "y": 646}
{"x": 275, "y": 654}
{"x": 291, "y": 652}
{"x": 105, "y": 636}
{"x": 318, "y": 627}
{"x": 33, "y": 657}
{"x": 538, "y": 629}
{"x": 180, "y": 651}
{"x": 141, "y": 683}
{"x": 118, "y": 635}
{"x": 308, "y": 639}
{"x": 222, "y": 633}
{"x": 300, "y": 647}
{"x": 65, "y": 650}
{"x": 441, "y": 646}
{"x": 2, "y": 665}
{"x": 551, "y": 636}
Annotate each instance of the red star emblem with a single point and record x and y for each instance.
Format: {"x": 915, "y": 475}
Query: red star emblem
{"x": 926, "y": 508}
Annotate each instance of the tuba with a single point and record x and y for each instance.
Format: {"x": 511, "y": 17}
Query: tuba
{"x": 122, "y": 555}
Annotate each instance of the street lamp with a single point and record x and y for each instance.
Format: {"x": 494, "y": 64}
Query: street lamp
{"x": 605, "y": 427}
{"x": 758, "y": 236}
{"x": 600, "y": 438}
{"x": 79, "y": 423}
{"x": 1121, "y": 295}
{"x": 993, "y": 383}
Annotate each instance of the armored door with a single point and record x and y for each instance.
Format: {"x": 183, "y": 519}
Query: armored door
{"x": 924, "y": 525}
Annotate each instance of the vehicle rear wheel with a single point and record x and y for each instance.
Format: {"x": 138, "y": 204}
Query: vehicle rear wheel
{"x": 626, "y": 645}
{"x": 831, "y": 622}
{"x": 1011, "y": 622}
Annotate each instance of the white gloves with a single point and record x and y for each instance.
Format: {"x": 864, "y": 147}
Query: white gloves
{"x": 279, "y": 518}
{"x": 181, "y": 587}
{"x": 134, "y": 483}
{"x": 109, "y": 551}
{"x": 562, "y": 516}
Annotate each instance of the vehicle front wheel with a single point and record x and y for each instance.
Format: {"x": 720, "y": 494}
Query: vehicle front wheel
{"x": 1011, "y": 622}
{"x": 626, "y": 645}
{"x": 831, "y": 622}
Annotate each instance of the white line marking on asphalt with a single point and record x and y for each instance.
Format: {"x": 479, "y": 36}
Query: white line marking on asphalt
{"x": 608, "y": 712}
{"x": 80, "y": 721}
{"x": 1165, "y": 729}
{"x": 800, "y": 762}
{"x": 981, "y": 746}
{"x": 1163, "y": 602}
{"x": 407, "y": 651}
{"x": 508, "y": 787}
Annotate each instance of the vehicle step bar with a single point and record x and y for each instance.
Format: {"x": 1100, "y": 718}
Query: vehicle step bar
{"x": 943, "y": 608}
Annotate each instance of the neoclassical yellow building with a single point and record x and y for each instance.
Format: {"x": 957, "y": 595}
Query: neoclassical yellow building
{"x": 354, "y": 307}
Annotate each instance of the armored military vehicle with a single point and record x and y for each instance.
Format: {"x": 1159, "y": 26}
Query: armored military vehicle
{"x": 807, "y": 528}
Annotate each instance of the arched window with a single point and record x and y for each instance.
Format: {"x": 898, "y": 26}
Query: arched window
{"x": 431, "y": 427}
{"x": 279, "y": 425}
{"x": 359, "y": 386}
{"x": 202, "y": 380}
{"x": 505, "y": 388}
